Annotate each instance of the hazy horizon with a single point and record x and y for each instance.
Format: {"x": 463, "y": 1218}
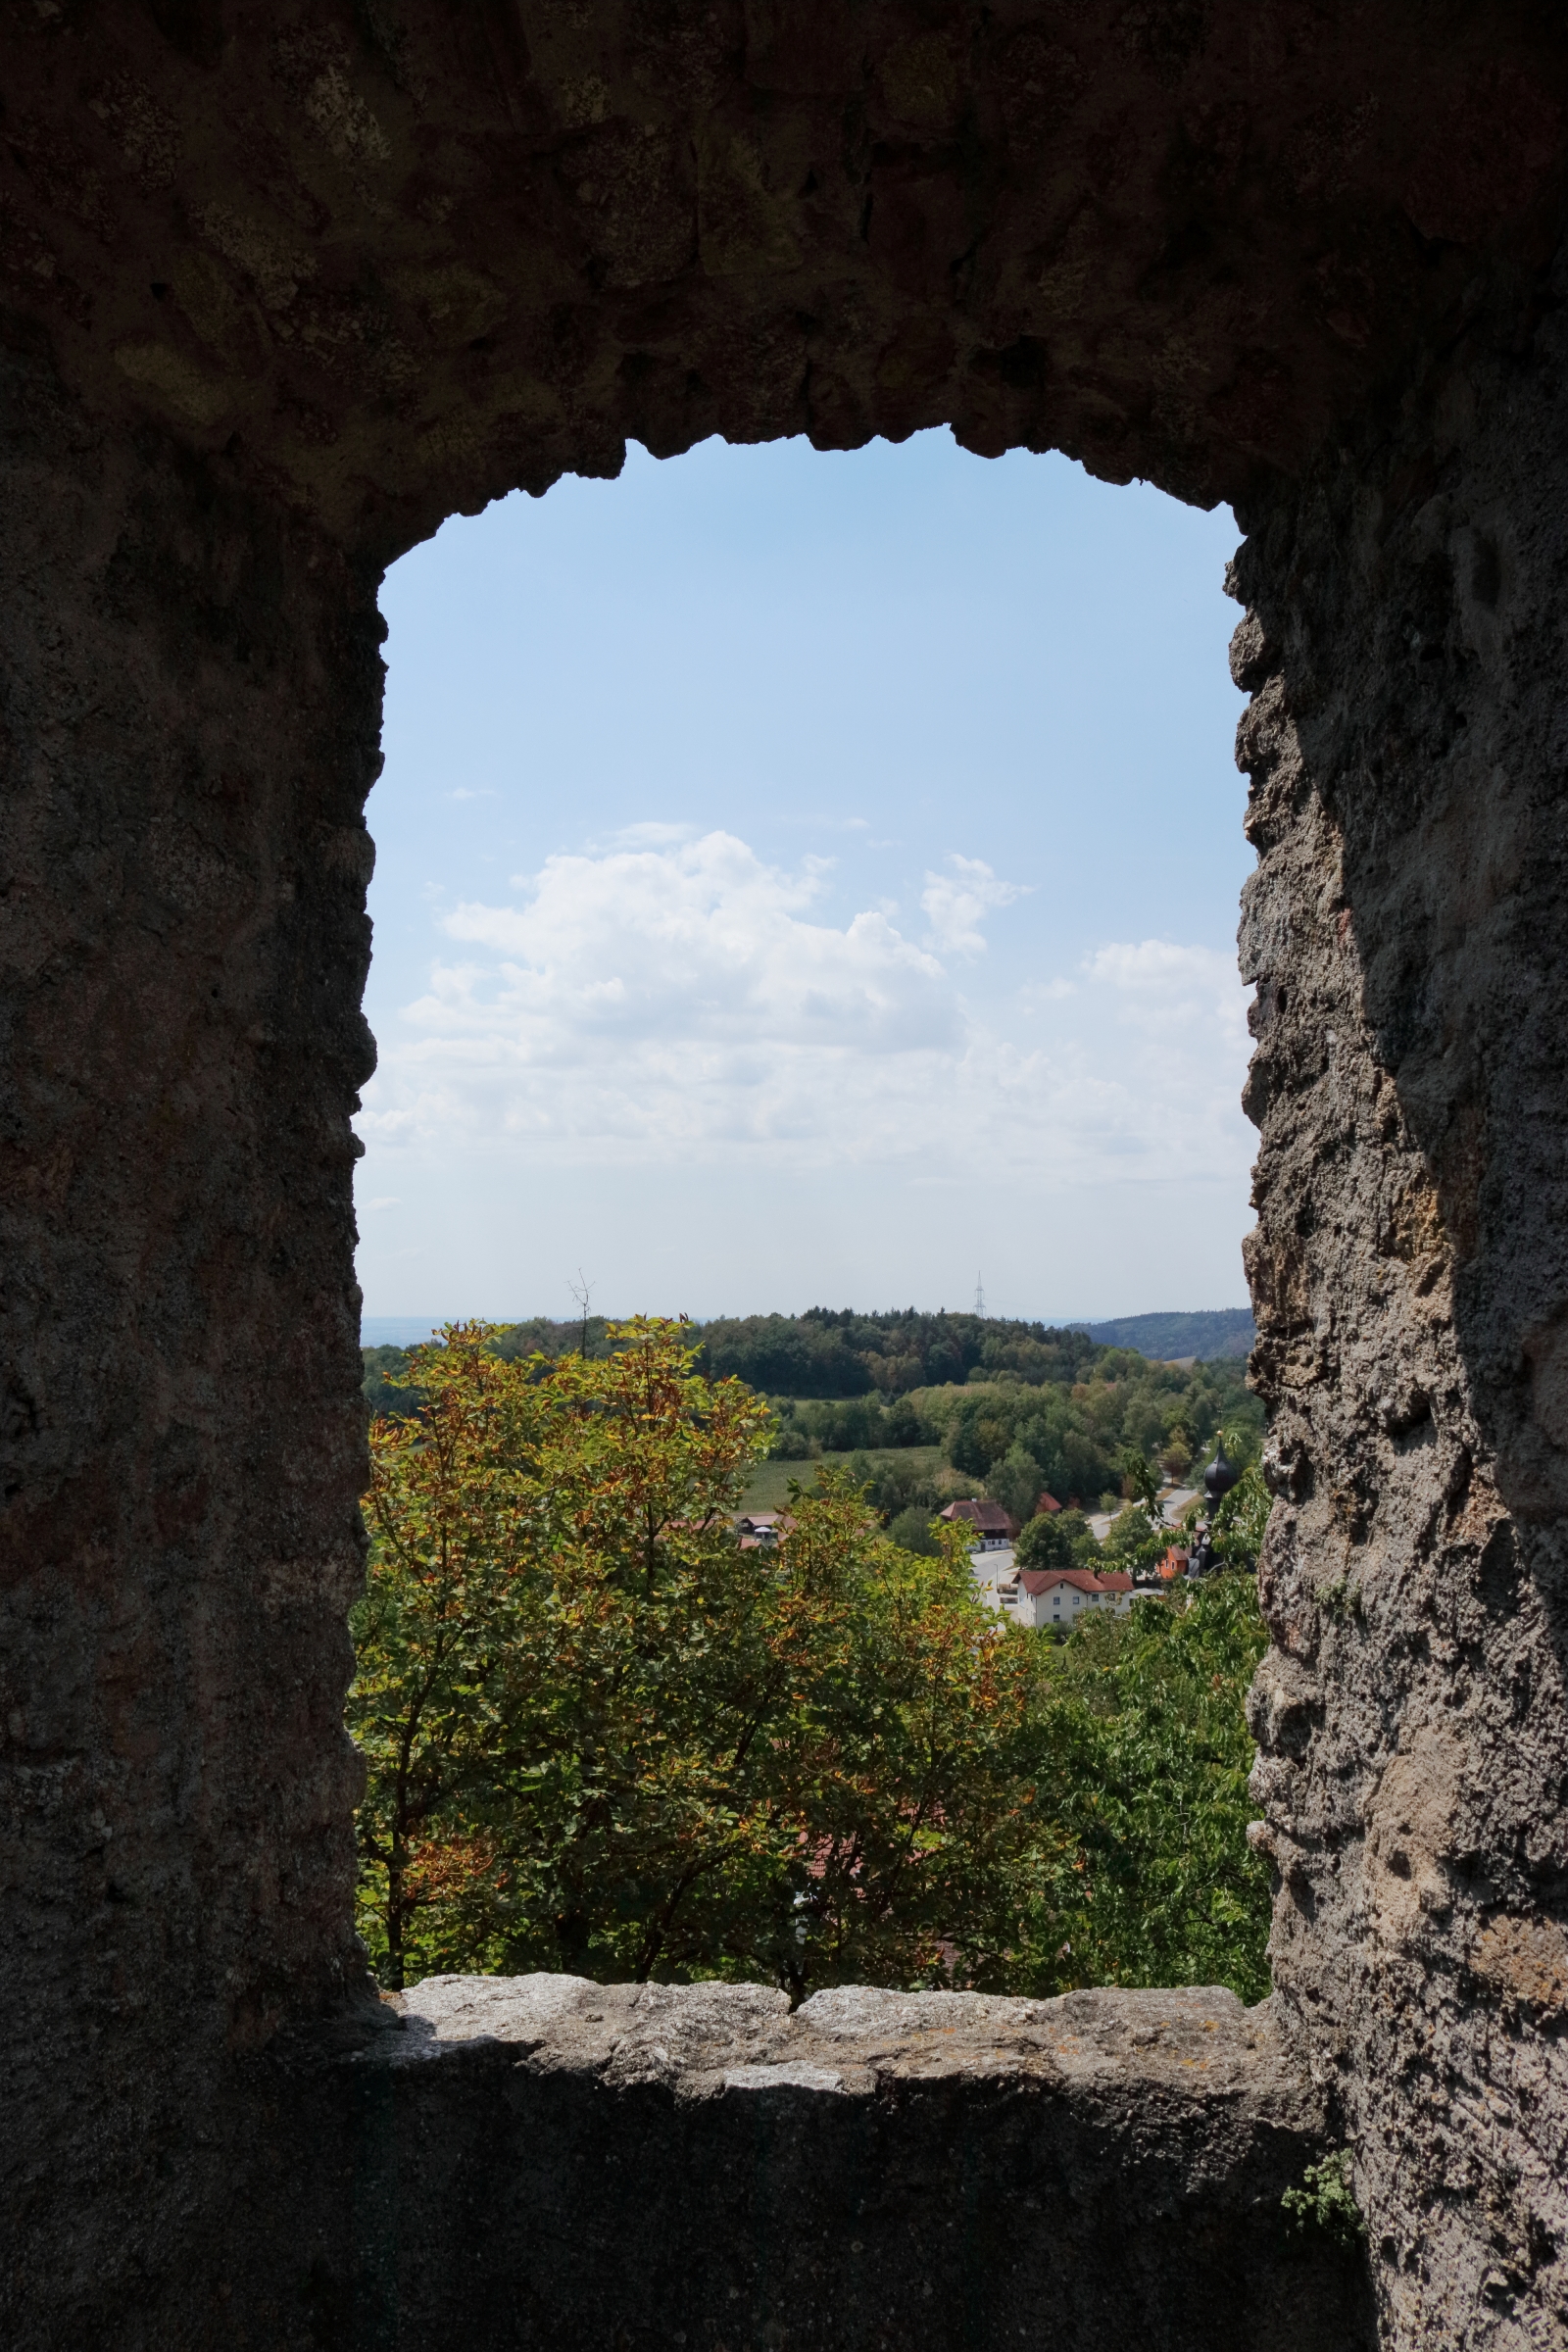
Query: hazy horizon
{"x": 388, "y": 1328}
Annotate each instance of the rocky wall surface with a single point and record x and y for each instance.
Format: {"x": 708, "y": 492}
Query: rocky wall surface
{"x": 386, "y": 258}
{"x": 1407, "y": 746}
{"x": 539, "y": 2160}
{"x": 189, "y": 699}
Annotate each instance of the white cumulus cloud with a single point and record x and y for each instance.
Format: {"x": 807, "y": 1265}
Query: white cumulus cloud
{"x": 957, "y": 904}
{"x": 681, "y": 1000}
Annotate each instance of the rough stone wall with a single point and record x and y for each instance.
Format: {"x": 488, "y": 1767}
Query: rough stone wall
{"x": 1408, "y": 744}
{"x": 386, "y": 258}
{"x": 540, "y": 2160}
{"x": 189, "y": 699}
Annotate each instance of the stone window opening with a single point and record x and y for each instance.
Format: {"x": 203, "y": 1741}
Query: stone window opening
{"x": 278, "y": 295}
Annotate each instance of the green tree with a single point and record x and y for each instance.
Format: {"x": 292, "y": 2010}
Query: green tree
{"x": 599, "y": 1738}
{"x": 1176, "y": 1455}
{"x": 978, "y": 1434}
{"x": 904, "y": 1768}
{"x": 508, "y": 1521}
{"x": 387, "y": 1380}
{"x": 1149, "y": 1762}
{"x": 445, "y": 1600}
{"x": 912, "y": 1530}
{"x": 1056, "y": 1540}
{"x": 1015, "y": 1482}
{"x": 899, "y": 1483}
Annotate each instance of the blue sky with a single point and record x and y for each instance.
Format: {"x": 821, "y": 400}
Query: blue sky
{"x": 808, "y": 878}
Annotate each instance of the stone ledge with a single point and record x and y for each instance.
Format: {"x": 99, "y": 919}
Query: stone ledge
{"x": 702, "y": 2039}
{"x": 541, "y": 2161}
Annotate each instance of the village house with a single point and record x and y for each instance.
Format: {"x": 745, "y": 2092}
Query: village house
{"x": 760, "y": 1531}
{"x": 1060, "y": 1595}
{"x": 992, "y": 1526}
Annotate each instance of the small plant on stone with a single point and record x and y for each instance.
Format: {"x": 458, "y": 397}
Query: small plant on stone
{"x": 1326, "y": 2199}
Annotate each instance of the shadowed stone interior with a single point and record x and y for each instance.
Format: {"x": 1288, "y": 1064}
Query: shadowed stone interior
{"x": 636, "y": 2166}
{"x": 278, "y": 289}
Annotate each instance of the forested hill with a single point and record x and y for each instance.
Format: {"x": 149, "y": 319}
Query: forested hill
{"x": 826, "y": 1352}
{"x": 931, "y": 1406}
{"x": 836, "y": 1352}
{"x": 1228, "y": 1330}
{"x": 839, "y": 1353}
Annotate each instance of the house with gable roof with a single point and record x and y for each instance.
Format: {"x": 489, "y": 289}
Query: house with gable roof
{"x": 991, "y": 1526}
{"x": 1059, "y": 1597}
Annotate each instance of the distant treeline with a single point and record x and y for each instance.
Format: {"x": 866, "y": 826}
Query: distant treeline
{"x": 836, "y": 1352}
{"x": 538, "y": 1336}
{"x": 826, "y": 1352}
{"x": 832, "y": 1353}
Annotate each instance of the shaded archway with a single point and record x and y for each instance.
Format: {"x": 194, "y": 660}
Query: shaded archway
{"x": 281, "y": 291}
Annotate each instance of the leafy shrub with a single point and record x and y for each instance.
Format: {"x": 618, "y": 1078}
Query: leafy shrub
{"x": 1326, "y": 2200}
{"x": 1237, "y": 1528}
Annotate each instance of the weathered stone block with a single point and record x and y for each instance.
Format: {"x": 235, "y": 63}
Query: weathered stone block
{"x": 542, "y": 2161}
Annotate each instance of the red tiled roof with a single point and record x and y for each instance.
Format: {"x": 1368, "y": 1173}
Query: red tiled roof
{"x": 1036, "y": 1581}
{"x": 1045, "y": 1502}
{"x": 1115, "y": 1580}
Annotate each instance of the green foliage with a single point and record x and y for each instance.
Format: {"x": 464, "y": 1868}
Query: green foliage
{"x": 790, "y": 1444}
{"x": 979, "y": 1432}
{"x": 1080, "y": 1434}
{"x": 898, "y": 1483}
{"x": 1057, "y": 1540}
{"x": 1126, "y": 1537}
{"x": 825, "y": 1354}
{"x": 1237, "y": 1528}
{"x": 603, "y": 1740}
{"x": 912, "y": 1530}
{"x": 863, "y": 1424}
{"x": 1017, "y": 1481}
{"x": 388, "y": 1380}
{"x": 1138, "y": 1540}
{"x": 541, "y": 1337}
{"x": 1148, "y": 1756}
{"x": 1326, "y": 2200}
{"x": 1141, "y": 1483}
{"x": 1176, "y": 1454}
